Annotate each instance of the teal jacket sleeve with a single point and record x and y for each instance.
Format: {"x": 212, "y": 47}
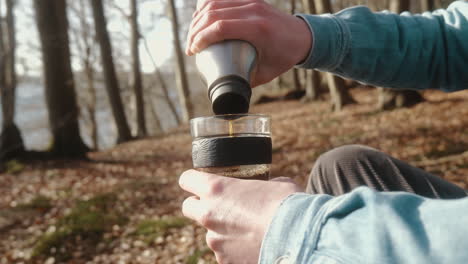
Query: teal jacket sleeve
{"x": 412, "y": 51}
{"x": 366, "y": 226}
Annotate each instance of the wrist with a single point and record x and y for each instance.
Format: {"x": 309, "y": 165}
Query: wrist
{"x": 331, "y": 42}
{"x": 305, "y": 40}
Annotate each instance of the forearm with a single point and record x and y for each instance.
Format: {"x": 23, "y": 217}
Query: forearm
{"x": 395, "y": 51}
{"x": 366, "y": 226}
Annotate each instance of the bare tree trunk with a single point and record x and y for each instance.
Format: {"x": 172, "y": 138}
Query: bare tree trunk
{"x": 390, "y": 98}
{"x": 92, "y": 105}
{"x": 427, "y": 5}
{"x": 296, "y": 79}
{"x": 87, "y": 56}
{"x": 182, "y": 82}
{"x": 373, "y": 5}
{"x": 3, "y": 55}
{"x": 340, "y": 96}
{"x": 11, "y": 142}
{"x": 2, "y": 62}
{"x": 154, "y": 113}
{"x": 430, "y": 5}
{"x": 323, "y": 6}
{"x": 164, "y": 87}
{"x": 137, "y": 82}
{"x": 89, "y": 72}
{"x": 312, "y": 83}
{"x": 399, "y": 6}
{"x": 278, "y": 83}
{"x": 59, "y": 86}
{"x": 10, "y": 73}
{"x": 165, "y": 90}
{"x": 112, "y": 85}
{"x": 309, "y": 6}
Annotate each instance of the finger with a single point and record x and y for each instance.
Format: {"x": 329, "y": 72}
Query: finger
{"x": 200, "y": 211}
{"x": 217, "y": 243}
{"x": 282, "y": 179}
{"x": 227, "y": 29}
{"x": 214, "y": 241}
{"x": 219, "y": 258}
{"x": 216, "y": 5}
{"x": 202, "y": 184}
{"x": 201, "y": 4}
{"x": 208, "y": 17}
{"x": 193, "y": 208}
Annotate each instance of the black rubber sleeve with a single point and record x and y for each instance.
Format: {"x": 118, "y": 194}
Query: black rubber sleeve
{"x": 231, "y": 151}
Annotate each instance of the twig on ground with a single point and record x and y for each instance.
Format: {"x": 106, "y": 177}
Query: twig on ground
{"x": 427, "y": 163}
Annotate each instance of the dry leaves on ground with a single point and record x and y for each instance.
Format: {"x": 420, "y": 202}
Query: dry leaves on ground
{"x": 123, "y": 206}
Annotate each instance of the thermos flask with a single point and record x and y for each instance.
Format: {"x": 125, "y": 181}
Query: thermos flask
{"x": 226, "y": 67}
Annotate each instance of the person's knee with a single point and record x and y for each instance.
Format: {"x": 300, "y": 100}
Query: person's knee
{"x": 324, "y": 175}
{"x": 343, "y": 155}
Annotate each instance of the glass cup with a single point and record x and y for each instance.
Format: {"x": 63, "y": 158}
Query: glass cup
{"x": 236, "y": 146}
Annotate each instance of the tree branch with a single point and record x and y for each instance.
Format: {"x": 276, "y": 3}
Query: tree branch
{"x": 113, "y": 4}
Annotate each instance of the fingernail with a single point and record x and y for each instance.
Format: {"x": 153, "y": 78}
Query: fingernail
{"x": 182, "y": 176}
{"x": 194, "y": 46}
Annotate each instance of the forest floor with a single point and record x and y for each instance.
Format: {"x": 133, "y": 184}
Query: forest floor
{"x": 123, "y": 206}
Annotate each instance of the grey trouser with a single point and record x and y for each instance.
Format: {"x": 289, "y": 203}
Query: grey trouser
{"x": 345, "y": 168}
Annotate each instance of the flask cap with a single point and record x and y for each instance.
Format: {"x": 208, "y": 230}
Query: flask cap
{"x": 230, "y": 95}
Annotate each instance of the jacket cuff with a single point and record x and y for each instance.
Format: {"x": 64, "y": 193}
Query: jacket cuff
{"x": 294, "y": 229}
{"x": 331, "y": 39}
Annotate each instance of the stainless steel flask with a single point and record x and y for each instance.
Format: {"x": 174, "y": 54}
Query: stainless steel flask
{"x": 226, "y": 67}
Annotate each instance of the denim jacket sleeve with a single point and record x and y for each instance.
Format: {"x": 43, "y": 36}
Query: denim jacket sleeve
{"x": 366, "y": 226}
{"x": 415, "y": 51}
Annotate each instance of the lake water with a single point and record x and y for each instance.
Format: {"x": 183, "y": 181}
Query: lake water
{"x": 32, "y": 117}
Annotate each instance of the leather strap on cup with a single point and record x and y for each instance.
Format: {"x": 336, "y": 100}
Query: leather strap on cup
{"x": 231, "y": 151}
